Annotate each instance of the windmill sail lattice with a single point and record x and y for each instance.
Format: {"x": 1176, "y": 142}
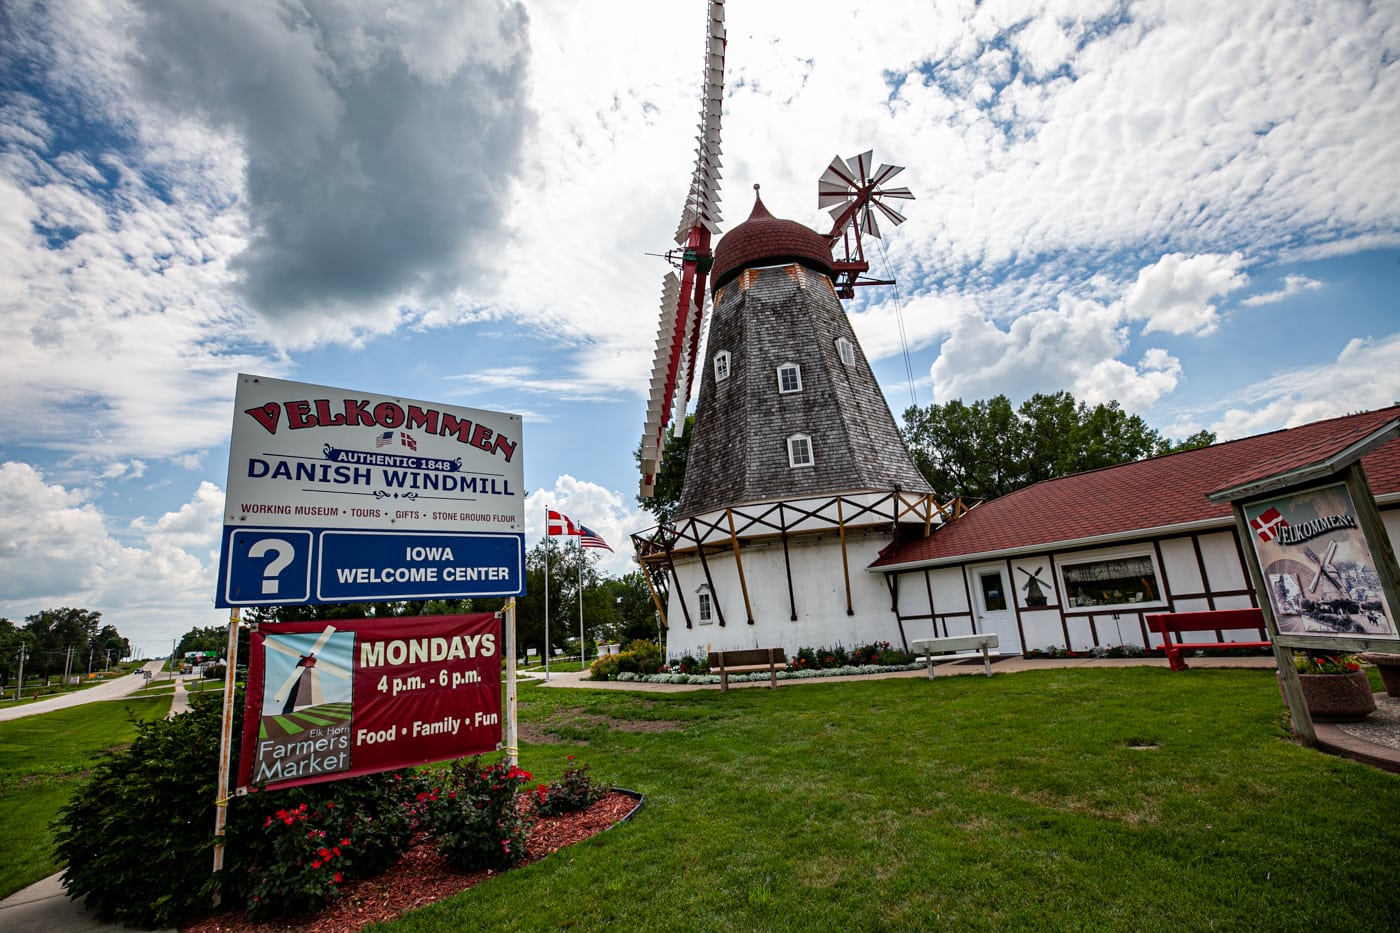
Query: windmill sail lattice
{"x": 683, "y": 296}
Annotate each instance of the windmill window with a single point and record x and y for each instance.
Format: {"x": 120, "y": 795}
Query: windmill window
{"x": 707, "y": 605}
{"x": 721, "y": 366}
{"x": 789, "y": 378}
{"x": 800, "y": 451}
{"x": 846, "y": 350}
{"x": 1131, "y": 578}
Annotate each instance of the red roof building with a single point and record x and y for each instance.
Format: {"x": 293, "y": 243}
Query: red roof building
{"x": 1076, "y": 562}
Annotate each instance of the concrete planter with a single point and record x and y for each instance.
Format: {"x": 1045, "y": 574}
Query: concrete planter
{"x": 1389, "y": 666}
{"x": 1338, "y": 697}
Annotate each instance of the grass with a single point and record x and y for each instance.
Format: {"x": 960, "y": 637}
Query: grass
{"x": 43, "y": 759}
{"x": 1130, "y": 799}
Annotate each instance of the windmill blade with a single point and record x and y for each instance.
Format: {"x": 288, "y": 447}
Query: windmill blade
{"x": 903, "y": 193}
{"x": 321, "y": 640}
{"x": 281, "y": 695}
{"x": 867, "y": 222}
{"x": 885, "y": 173}
{"x": 860, "y": 166}
{"x": 335, "y": 670}
{"x": 280, "y": 648}
{"x": 894, "y": 216}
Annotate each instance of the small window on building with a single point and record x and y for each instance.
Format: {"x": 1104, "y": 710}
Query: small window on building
{"x": 846, "y": 350}
{"x": 800, "y": 451}
{"x": 721, "y": 365}
{"x": 707, "y": 605}
{"x": 1115, "y": 582}
{"x": 789, "y": 378}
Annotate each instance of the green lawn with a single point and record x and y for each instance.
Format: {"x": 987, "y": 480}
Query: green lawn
{"x": 1131, "y": 799}
{"x": 42, "y": 760}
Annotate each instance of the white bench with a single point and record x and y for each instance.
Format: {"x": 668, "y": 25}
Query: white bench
{"x": 950, "y": 643}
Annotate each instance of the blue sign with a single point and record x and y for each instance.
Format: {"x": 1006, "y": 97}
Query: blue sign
{"x": 288, "y": 566}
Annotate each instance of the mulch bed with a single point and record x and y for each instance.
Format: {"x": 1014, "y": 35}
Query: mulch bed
{"x": 420, "y": 878}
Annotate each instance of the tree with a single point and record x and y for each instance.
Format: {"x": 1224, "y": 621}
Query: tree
{"x": 635, "y": 612}
{"x": 57, "y": 635}
{"x": 563, "y": 589}
{"x": 670, "y": 475}
{"x": 989, "y": 449}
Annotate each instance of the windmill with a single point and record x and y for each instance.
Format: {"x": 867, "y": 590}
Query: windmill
{"x": 855, "y": 196}
{"x": 302, "y": 688}
{"x": 1034, "y": 595}
{"x": 683, "y": 295}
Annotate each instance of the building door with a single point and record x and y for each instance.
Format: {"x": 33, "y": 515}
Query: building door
{"x": 996, "y": 611}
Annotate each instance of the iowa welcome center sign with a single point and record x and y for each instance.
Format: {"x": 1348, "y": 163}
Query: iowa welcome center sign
{"x": 339, "y": 496}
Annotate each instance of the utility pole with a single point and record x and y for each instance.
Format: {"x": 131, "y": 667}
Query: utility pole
{"x": 90, "y": 651}
{"x": 67, "y": 663}
{"x": 19, "y": 687}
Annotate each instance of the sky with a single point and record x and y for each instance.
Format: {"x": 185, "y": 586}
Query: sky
{"x": 1192, "y": 208}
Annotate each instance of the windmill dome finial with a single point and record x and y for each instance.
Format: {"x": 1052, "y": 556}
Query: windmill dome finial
{"x": 765, "y": 240}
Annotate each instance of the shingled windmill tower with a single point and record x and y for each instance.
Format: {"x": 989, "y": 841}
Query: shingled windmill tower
{"x": 797, "y": 476}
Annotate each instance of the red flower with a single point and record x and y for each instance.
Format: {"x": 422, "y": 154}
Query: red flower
{"x": 339, "y": 877}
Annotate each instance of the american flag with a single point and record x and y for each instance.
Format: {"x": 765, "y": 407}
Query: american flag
{"x": 385, "y": 439}
{"x": 590, "y": 538}
{"x": 1268, "y": 524}
{"x": 408, "y": 441}
{"x": 561, "y": 524}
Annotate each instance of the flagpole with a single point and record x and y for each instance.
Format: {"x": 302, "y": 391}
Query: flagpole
{"x": 582, "y": 645}
{"x": 547, "y": 539}
{"x": 512, "y": 728}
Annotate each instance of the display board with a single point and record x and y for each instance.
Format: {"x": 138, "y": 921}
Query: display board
{"x": 332, "y": 700}
{"x": 337, "y": 495}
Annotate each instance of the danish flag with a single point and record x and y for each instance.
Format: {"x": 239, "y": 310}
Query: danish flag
{"x": 561, "y": 524}
{"x": 1268, "y": 524}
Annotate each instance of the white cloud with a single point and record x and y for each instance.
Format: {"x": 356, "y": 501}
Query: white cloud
{"x": 59, "y": 551}
{"x": 1174, "y": 294}
{"x": 1292, "y": 285}
{"x": 602, "y": 510}
{"x": 1074, "y": 347}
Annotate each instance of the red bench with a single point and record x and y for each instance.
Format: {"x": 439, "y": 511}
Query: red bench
{"x": 1168, "y": 624}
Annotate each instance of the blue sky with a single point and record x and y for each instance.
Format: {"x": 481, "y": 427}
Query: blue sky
{"x": 1192, "y": 208}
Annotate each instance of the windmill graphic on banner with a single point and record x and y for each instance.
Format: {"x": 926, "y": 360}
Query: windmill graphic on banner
{"x": 317, "y": 672}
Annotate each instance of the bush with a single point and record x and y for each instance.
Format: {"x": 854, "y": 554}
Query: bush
{"x": 640, "y": 657}
{"x": 686, "y": 664}
{"x": 474, "y": 817}
{"x": 572, "y": 792}
{"x": 293, "y": 859}
{"x": 138, "y": 838}
{"x": 604, "y": 668}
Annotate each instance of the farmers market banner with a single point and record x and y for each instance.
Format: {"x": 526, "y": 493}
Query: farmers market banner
{"x": 335, "y": 699}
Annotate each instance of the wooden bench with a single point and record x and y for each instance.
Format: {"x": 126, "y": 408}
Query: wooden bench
{"x": 950, "y": 643}
{"x": 748, "y": 661}
{"x": 1174, "y": 623}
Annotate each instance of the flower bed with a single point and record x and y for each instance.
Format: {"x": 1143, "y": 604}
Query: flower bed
{"x": 800, "y": 674}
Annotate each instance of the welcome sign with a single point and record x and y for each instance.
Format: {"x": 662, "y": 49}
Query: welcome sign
{"x": 336, "y": 495}
{"x": 1317, "y": 566}
{"x": 334, "y": 699}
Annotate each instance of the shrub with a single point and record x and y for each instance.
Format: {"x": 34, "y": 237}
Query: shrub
{"x": 474, "y": 818}
{"x": 604, "y": 668}
{"x": 640, "y": 657}
{"x": 686, "y": 664}
{"x": 138, "y": 838}
{"x": 575, "y": 791}
{"x": 293, "y": 859}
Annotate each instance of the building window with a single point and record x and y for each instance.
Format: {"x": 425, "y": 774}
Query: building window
{"x": 800, "y": 451}
{"x": 721, "y": 366}
{"x": 1114, "y": 582}
{"x": 846, "y": 350}
{"x": 707, "y": 605}
{"x": 789, "y": 378}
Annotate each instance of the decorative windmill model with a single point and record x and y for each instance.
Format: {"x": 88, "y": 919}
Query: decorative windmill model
{"x": 302, "y": 688}
{"x": 853, "y": 193}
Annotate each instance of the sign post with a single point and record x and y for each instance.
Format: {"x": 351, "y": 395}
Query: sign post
{"x": 339, "y": 496}
{"x": 1319, "y": 557}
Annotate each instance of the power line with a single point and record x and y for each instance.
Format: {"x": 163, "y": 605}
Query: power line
{"x": 899, "y": 318}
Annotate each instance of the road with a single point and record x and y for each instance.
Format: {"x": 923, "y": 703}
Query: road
{"x": 114, "y": 689}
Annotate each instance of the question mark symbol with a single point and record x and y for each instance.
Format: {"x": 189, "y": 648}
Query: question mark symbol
{"x": 285, "y": 553}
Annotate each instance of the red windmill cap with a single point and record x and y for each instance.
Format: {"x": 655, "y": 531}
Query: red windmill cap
{"x": 765, "y": 240}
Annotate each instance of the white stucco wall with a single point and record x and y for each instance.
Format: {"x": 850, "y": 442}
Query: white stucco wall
{"x": 818, "y": 588}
